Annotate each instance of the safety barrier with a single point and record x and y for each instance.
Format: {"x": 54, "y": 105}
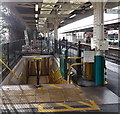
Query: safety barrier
{"x": 16, "y": 76}
{"x": 71, "y": 65}
{"x": 56, "y": 77}
{"x": 11, "y": 53}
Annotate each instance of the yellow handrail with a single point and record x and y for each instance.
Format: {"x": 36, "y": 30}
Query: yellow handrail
{"x": 37, "y": 58}
{"x": 75, "y": 57}
{"x": 70, "y": 66}
{"x": 17, "y": 76}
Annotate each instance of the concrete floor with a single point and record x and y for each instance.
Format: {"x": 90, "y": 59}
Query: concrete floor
{"x": 28, "y": 98}
{"x": 105, "y": 97}
{"x": 113, "y": 77}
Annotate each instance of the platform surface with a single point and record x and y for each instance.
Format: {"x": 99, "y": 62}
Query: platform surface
{"x": 42, "y": 79}
{"x": 55, "y": 97}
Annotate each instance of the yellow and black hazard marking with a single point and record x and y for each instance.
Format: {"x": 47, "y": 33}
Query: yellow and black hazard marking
{"x": 68, "y": 106}
{"x": 105, "y": 75}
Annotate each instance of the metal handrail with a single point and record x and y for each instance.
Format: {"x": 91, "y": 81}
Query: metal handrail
{"x": 70, "y": 66}
{"x": 16, "y": 76}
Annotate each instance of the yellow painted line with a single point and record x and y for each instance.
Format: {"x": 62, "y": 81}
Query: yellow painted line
{"x": 41, "y": 88}
{"x": 92, "y": 106}
{"x": 52, "y": 85}
{"x": 64, "y": 105}
{"x": 40, "y": 107}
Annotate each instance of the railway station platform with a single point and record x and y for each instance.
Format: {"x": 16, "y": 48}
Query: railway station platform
{"x": 56, "y": 98}
{"x": 45, "y": 71}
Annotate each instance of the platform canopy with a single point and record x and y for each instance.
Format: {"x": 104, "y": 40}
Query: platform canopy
{"x": 41, "y": 14}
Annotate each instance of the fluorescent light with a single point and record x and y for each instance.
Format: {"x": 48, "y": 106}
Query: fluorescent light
{"x": 60, "y": 6}
{"x": 36, "y": 21}
{"x": 36, "y": 7}
{"x": 40, "y": 22}
{"x": 62, "y": 21}
{"x": 72, "y": 16}
{"x": 71, "y": 1}
{"x": 40, "y": 25}
{"x": 91, "y": 6}
{"x": 36, "y": 15}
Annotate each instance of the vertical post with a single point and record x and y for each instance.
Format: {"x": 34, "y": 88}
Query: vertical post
{"x": 98, "y": 35}
{"x": 59, "y": 46}
{"x": 65, "y": 60}
{"x": 38, "y": 74}
{"x": 8, "y": 54}
{"x": 28, "y": 68}
{"x": 55, "y": 35}
{"x": 79, "y": 68}
{"x": 119, "y": 27}
{"x": 41, "y": 47}
{"x": 37, "y": 62}
{"x": 48, "y": 40}
{"x": 66, "y": 44}
{"x": 14, "y": 48}
{"x": 48, "y": 34}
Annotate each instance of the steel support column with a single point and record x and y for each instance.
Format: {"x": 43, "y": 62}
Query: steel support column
{"x": 98, "y": 36}
{"x": 56, "y": 29}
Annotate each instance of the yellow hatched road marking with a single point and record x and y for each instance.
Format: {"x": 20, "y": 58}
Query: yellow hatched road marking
{"x": 41, "y": 107}
{"x": 92, "y": 106}
{"x": 66, "y": 106}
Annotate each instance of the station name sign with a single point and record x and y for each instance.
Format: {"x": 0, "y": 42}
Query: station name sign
{"x": 112, "y": 11}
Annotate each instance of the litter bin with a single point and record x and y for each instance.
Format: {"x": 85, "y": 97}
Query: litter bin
{"x": 89, "y": 71}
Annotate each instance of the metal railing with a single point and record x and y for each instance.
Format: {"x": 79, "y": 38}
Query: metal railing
{"x": 10, "y": 53}
{"x": 111, "y": 54}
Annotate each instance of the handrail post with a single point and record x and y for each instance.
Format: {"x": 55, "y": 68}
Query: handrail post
{"x": 38, "y": 60}
{"x": 59, "y": 46}
{"x": 8, "y": 53}
{"x": 79, "y": 67}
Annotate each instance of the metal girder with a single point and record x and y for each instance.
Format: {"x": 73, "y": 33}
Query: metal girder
{"x": 65, "y": 9}
{"x": 46, "y": 15}
{"x": 110, "y": 5}
{"x": 53, "y": 16}
{"x": 78, "y": 17}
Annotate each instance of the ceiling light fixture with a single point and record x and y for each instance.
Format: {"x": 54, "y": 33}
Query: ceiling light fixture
{"x": 72, "y": 16}
{"x": 60, "y": 6}
{"x": 36, "y": 15}
{"x": 91, "y": 6}
{"x": 36, "y": 7}
{"x": 62, "y": 21}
